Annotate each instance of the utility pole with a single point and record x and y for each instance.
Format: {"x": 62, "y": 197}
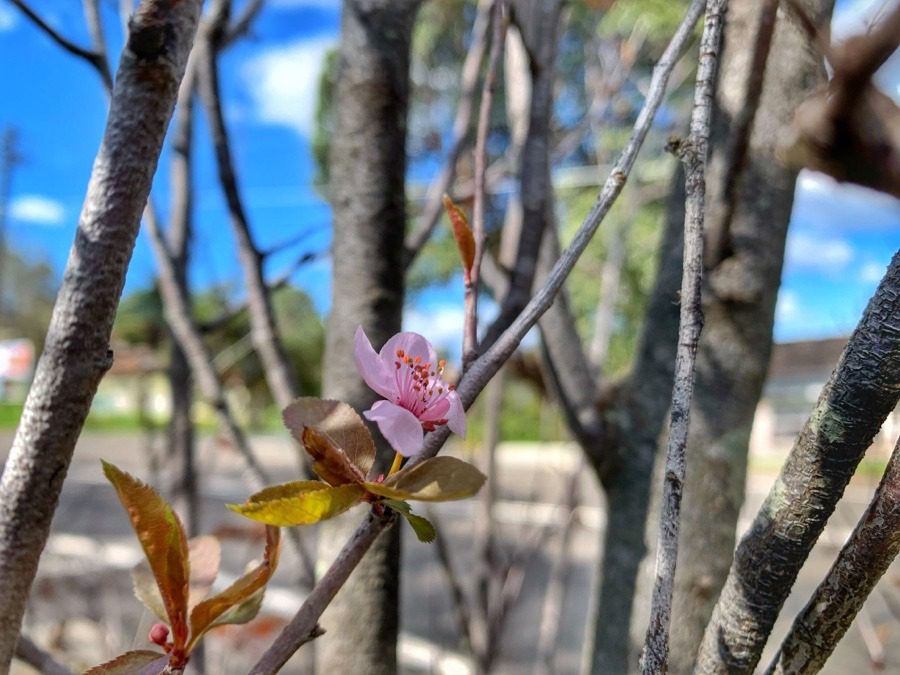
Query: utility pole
{"x": 9, "y": 158}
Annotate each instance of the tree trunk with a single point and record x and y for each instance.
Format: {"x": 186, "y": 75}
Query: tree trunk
{"x": 749, "y": 200}
{"x": 76, "y": 354}
{"x": 639, "y": 413}
{"x": 862, "y": 391}
{"x": 368, "y": 199}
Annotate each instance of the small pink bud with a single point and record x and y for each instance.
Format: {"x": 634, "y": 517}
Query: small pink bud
{"x": 159, "y": 633}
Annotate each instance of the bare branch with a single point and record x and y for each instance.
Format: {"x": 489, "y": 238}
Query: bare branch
{"x": 95, "y": 59}
{"x": 266, "y": 339}
{"x": 863, "y": 560}
{"x": 655, "y": 656}
{"x": 95, "y": 26}
{"x": 462, "y": 613}
{"x": 77, "y": 354}
{"x": 721, "y": 207}
{"x": 42, "y": 661}
{"x": 176, "y": 307}
{"x": 302, "y": 627}
{"x": 464, "y": 109}
{"x": 305, "y": 624}
{"x": 470, "y": 325}
{"x": 539, "y": 26}
{"x": 242, "y": 24}
{"x": 489, "y": 363}
{"x": 862, "y": 391}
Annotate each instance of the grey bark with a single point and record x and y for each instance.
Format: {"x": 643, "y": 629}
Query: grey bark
{"x": 862, "y": 391}
{"x": 538, "y": 24}
{"x": 749, "y": 197}
{"x": 76, "y": 353}
{"x": 863, "y": 560}
{"x": 693, "y": 153}
{"x": 368, "y": 200}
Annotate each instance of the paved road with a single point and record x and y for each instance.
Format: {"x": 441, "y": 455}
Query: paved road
{"x": 82, "y": 600}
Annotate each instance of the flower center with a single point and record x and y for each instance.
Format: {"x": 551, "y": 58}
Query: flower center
{"x": 420, "y": 386}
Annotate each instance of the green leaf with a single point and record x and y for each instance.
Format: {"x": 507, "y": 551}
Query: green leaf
{"x": 164, "y": 542}
{"x": 339, "y": 422}
{"x": 423, "y": 527}
{"x": 138, "y": 662}
{"x": 205, "y": 615}
{"x": 302, "y": 502}
{"x": 438, "y": 479}
{"x": 397, "y": 505}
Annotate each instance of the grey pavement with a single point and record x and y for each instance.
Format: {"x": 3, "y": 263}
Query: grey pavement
{"x": 83, "y": 606}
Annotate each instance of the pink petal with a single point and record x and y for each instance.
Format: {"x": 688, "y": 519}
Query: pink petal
{"x": 437, "y": 411}
{"x": 456, "y": 415}
{"x": 413, "y": 345}
{"x": 399, "y": 426}
{"x": 371, "y": 367}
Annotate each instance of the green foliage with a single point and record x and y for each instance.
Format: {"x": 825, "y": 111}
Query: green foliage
{"x": 28, "y": 294}
{"x": 324, "y": 119}
{"x": 643, "y": 229}
{"x": 139, "y": 319}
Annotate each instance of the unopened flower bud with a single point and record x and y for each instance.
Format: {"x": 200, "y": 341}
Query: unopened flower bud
{"x": 159, "y": 633}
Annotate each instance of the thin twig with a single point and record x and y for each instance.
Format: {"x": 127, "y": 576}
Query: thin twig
{"x": 42, "y": 661}
{"x": 95, "y": 26}
{"x": 95, "y": 59}
{"x": 301, "y": 627}
{"x": 176, "y": 306}
{"x": 462, "y": 613}
{"x": 470, "y": 325}
{"x": 489, "y": 363}
{"x": 693, "y": 152}
{"x": 242, "y": 24}
{"x": 267, "y": 340}
{"x": 304, "y": 626}
{"x": 433, "y": 208}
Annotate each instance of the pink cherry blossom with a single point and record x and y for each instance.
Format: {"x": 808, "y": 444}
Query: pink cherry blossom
{"x": 407, "y": 373}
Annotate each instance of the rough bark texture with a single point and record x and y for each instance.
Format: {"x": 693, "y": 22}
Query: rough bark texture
{"x": 76, "y": 354}
{"x": 864, "y": 388}
{"x": 863, "y": 560}
{"x": 750, "y": 206}
{"x": 368, "y": 198}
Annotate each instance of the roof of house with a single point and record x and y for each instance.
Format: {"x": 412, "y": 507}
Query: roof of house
{"x": 808, "y": 358}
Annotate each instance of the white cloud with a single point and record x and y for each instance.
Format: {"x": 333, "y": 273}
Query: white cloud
{"x": 442, "y": 325}
{"x": 8, "y": 18}
{"x": 37, "y": 209}
{"x": 787, "y": 309}
{"x": 872, "y": 272}
{"x": 804, "y": 250}
{"x": 283, "y": 83}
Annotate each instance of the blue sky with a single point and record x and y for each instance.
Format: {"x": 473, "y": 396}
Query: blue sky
{"x": 841, "y": 237}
